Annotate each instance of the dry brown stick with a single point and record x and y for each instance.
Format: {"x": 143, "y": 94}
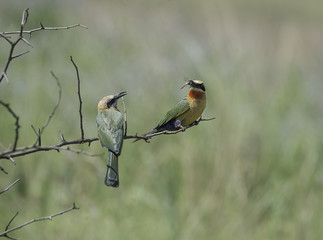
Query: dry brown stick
{"x": 79, "y": 96}
{"x": 29, "y": 32}
{"x": 40, "y": 131}
{"x": 182, "y": 129}
{"x": 6, "y": 105}
{"x": 32, "y": 149}
{"x": 57, "y": 102}
{"x": 21, "y": 33}
{"x": 5, "y": 233}
{"x": 11, "y": 185}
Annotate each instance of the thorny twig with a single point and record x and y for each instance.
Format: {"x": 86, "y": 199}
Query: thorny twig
{"x": 10, "y": 154}
{"x": 6, "y": 105}
{"x": 40, "y": 131}
{"x": 57, "y": 103}
{"x": 60, "y": 146}
{"x": 7, "y": 231}
{"x": 147, "y": 137}
{"x": 29, "y": 32}
{"x": 79, "y": 96}
{"x": 11, "y": 185}
{"x": 21, "y": 33}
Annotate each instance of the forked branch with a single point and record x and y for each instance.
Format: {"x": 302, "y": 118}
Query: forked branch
{"x": 7, "y": 231}
{"x": 20, "y": 33}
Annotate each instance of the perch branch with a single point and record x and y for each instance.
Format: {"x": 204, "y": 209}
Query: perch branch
{"x": 147, "y": 137}
{"x": 7, "y": 231}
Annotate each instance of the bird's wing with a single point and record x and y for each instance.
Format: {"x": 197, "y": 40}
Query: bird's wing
{"x": 110, "y": 129}
{"x": 180, "y": 108}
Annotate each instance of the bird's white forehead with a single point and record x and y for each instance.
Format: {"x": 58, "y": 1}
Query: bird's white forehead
{"x": 198, "y": 81}
{"x": 107, "y": 98}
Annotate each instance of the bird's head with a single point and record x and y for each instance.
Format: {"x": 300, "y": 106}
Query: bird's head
{"x": 195, "y": 85}
{"x": 110, "y": 101}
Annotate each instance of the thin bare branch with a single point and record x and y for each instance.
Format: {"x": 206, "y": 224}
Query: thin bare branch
{"x": 6, "y": 105}
{"x": 4, "y": 75}
{"x": 61, "y": 136}
{"x": 11, "y": 220}
{"x": 5, "y": 233}
{"x": 12, "y": 160}
{"x": 3, "y": 170}
{"x": 78, "y": 151}
{"x": 20, "y": 54}
{"x": 13, "y": 44}
{"x": 11, "y": 185}
{"x": 57, "y": 102}
{"x": 125, "y": 117}
{"x": 6, "y": 38}
{"x": 38, "y": 139}
{"x": 32, "y": 149}
{"x": 29, "y": 32}
{"x": 24, "y": 19}
{"x": 25, "y": 41}
{"x": 79, "y": 96}
{"x": 147, "y": 137}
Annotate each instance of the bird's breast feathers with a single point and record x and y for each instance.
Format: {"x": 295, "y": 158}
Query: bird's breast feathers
{"x": 197, "y": 102}
{"x": 196, "y": 94}
{"x": 110, "y": 128}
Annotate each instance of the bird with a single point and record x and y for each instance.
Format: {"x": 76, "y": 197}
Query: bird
{"x": 185, "y": 112}
{"x": 111, "y": 133}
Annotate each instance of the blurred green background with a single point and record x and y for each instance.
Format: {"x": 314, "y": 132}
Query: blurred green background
{"x": 253, "y": 173}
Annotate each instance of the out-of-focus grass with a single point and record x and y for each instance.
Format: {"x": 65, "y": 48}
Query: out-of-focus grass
{"x": 253, "y": 173}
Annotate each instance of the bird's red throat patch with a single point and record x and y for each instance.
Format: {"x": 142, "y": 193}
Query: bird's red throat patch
{"x": 196, "y": 94}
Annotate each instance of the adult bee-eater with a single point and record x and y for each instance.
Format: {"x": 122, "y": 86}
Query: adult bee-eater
{"x": 110, "y": 131}
{"x": 186, "y": 111}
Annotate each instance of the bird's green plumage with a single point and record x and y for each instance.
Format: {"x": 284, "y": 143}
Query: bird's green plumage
{"x": 180, "y": 108}
{"x": 110, "y": 129}
{"x": 110, "y": 132}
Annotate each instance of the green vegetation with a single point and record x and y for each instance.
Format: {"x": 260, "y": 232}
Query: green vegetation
{"x": 255, "y": 172}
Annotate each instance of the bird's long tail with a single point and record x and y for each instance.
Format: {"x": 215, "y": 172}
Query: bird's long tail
{"x": 112, "y": 176}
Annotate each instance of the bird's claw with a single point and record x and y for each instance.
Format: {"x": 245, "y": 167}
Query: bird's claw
{"x": 178, "y": 125}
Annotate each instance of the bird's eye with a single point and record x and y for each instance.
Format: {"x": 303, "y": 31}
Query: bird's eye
{"x": 109, "y": 103}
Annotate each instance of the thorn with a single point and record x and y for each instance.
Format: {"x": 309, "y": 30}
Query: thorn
{"x": 61, "y": 136}
{"x": 2, "y": 169}
{"x": 28, "y": 43}
{"x": 5, "y": 77}
{"x": 12, "y": 160}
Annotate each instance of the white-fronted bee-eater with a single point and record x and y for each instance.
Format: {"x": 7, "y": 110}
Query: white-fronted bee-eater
{"x": 111, "y": 133}
{"x": 186, "y": 111}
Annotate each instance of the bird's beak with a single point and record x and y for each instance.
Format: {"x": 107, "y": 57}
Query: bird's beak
{"x": 119, "y": 95}
{"x": 189, "y": 82}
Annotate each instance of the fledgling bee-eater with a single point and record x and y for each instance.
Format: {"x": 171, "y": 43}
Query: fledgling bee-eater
{"x": 110, "y": 131}
{"x": 186, "y": 111}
